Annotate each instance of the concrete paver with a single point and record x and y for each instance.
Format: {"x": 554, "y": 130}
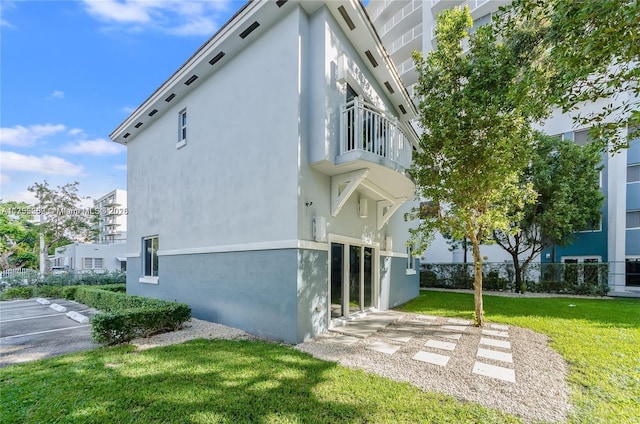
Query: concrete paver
{"x": 495, "y": 343}
{"x": 383, "y": 347}
{"x": 495, "y": 355}
{"x": 440, "y": 345}
{"x": 432, "y": 358}
{"x": 495, "y": 333}
{"x": 493, "y": 371}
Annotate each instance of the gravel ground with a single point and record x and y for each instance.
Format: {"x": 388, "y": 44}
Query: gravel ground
{"x": 540, "y": 392}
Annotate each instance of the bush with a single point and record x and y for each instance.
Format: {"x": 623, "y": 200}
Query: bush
{"x": 119, "y": 327}
{"x": 17, "y": 293}
{"x": 126, "y": 317}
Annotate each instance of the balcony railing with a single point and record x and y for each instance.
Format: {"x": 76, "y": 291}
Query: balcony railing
{"x": 367, "y": 129}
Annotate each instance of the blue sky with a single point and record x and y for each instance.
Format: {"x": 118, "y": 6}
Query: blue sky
{"x": 71, "y": 71}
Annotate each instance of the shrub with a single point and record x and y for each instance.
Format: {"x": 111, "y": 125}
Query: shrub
{"x": 17, "y": 293}
{"x": 125, "y": 317}
{"x": 119, "y": 327}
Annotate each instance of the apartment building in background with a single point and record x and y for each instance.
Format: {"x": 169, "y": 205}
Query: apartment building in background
{"x": 408, "y": 25}
{"x": 111, "y": 210}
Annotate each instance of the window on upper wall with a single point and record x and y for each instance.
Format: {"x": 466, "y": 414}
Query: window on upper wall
{"x": 182, "y": 128}
{"x": 633, "y": 219}
{"x": 593, "y": 227}
{"x": 581, "y": 137}
{"x": 92, "y": 263}
{"x": 633, "y": 173}
{"x": 411, "y": 260}
{"x": 150, "y": 256}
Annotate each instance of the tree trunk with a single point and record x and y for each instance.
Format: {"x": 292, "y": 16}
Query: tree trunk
{"x": 518, "y": 271}
{"x": 477, "y": 281}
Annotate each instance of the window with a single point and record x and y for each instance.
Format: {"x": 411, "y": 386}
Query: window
{"x": 592, "y": 227}
{"x": 92, "y": 263}
{"x": 150, "y": 256}
{"x": 581, "y": 137}
{"x": 632, "y": 271}
{"x": 182, "y": 128}
{"x": 411, "y": 261}
{"x": 633, "y": 219}
{"x": 633, "y": 173}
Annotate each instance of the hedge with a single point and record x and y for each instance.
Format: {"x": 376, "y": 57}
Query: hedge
{"x": 125, "y": 316}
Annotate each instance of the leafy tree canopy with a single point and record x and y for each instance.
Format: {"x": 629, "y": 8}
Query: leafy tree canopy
{"x": 589, "y": 50}
{"x": 476, "y": 110}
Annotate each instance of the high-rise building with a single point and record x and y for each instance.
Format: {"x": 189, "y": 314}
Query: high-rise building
{"x": 407, "y": 25}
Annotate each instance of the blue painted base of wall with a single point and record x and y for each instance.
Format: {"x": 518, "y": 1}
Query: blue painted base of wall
{"x": 280, "y": 295}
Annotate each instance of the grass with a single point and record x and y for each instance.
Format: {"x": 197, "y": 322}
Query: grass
{"x": 600, "y": 339}
{"x": 217, "y": 381}
{"x": 234, "y": 382}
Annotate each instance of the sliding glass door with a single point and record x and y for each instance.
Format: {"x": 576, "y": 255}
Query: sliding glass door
{"x": 352, "y": 288}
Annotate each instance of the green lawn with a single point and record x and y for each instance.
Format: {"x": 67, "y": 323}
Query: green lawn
{"x": 216, "y": 381}
{"x": 247, "y": 381}
{"x": 600, "y": 339}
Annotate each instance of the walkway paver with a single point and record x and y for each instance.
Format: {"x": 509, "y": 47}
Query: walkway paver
{"x": 461, "y": 328}
{"x": 383, "y": 347}
{"x": 493, "y": 371}
{"x": 495, "y": 343}
{"x": 440, "y": 345}
{"x": 454, "y": 336}
{"x": 432, "y": 358}
{"x": 495, "y": 355}
{"x": 495, "y": 333}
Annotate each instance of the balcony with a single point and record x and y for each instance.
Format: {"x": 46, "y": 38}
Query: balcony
{"x": 370, "y": 134}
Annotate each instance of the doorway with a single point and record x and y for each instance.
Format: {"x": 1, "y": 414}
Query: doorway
{"x": 352, "y": 287}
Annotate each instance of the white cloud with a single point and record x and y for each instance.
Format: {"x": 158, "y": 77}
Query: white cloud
{"x": 27, "y": 136}
{"x": 171, "y": 16}
{"x": 128, "y": 109}
{"x": 98, "y": 147}
{"x": 23, "y": 196}
{"x": 4, "y": 179}
{"x": 57, "y": 94}
{"x": 121, "y": 167}
{"x": 3, "y": 6}
{"x": 125, "y": 12}
{"x": 76, "y": 131}
{"x": 49, "y": 165}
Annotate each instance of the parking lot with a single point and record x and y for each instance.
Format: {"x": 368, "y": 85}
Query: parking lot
{"x": 30, "y": 331}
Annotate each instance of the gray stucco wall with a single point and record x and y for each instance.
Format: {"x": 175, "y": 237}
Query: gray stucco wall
{"x": 396, "y": 287}
{"x": 313, "y": 292}
{"x": 254, "y": 291}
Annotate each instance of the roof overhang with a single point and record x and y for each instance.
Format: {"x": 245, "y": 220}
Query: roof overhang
{"x": 249, "y": 22}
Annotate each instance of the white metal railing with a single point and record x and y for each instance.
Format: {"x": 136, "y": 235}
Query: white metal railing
{"x": 400, "y": 15}
{"x": 406, "y": 38}
{"x": 365, "y": 128}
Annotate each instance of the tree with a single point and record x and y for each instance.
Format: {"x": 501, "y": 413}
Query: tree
{"x": 591, "y": 50}
{"x": 566, "y": 179}
{"x": 62, "y": 217}
{"x": 18, "y": 236}
{"x": 476, "y": 111}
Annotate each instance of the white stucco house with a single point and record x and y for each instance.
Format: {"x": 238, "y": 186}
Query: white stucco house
{"x": 76, "y": 258}
{"x": 267, "y": 179}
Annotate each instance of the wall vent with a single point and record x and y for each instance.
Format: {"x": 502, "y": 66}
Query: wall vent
{"x": 153, "y": 112}
{"x": 281, "y": 3}
{"x": 371, "y": 58}
{"x": 190, "y": 80}
{"x": 126, "y": 135}
{"x": 347, "y": 18}
{"x": 139, "y": 124}
{"x": 391, "y": 90}
{"x": 402, "y": 109}
{"x": 171, "y": 96}
{"x": 244, "y": 34}
{"x": 216, "y": 58}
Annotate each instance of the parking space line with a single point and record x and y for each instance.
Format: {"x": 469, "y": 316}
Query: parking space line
{"x": 43, "y": 332}
{"x": 40, "y": 316}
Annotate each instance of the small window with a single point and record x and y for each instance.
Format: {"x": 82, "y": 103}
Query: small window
{"x": 411, "y": 260}
{"x": 632, "y": 271}
{"x": 150, "y": 256}
{"x": 633, "y": 173}
{"x": 593, "y": 227}
{"x": 633, "y": 219}
{"x": 182, "y": 128}
{"x": 581, "y": 137}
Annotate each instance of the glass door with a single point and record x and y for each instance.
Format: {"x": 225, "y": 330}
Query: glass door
{"x": 337, "y": 277}
{"x": 352, "y": 284}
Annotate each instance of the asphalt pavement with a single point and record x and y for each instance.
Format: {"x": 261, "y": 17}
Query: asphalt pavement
{"x": 30, "y": 330}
